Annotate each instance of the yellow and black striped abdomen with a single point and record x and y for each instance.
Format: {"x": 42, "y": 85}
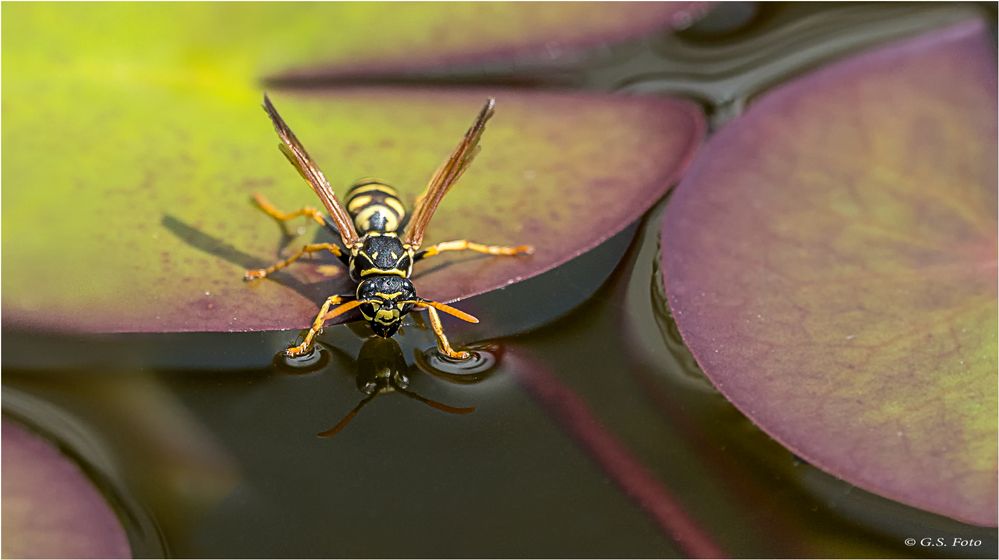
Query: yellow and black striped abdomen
{"x": 375, "y": 206}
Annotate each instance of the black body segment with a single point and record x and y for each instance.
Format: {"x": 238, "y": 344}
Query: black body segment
{"x": 381, "y": 254}
{"x": 375, "y": 206}
{"x": 385, "y": 300}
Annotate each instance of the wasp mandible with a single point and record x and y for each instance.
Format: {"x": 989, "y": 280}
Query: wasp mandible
{"x": 377, "y": 259}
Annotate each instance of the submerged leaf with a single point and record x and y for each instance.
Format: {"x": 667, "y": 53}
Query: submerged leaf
{"x": 50, "y": 508}
{"x": 132, "y": 214}
{"x": 622, "y": 467}
{"x": 830, "y": 260}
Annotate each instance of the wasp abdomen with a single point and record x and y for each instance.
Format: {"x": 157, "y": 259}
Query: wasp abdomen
{"x": 375, "y": 206}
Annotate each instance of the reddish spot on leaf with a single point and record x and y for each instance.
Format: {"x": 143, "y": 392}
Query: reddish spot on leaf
{"x": 830, "y": 260}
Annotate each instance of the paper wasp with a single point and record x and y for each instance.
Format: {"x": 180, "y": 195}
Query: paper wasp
{"x": 378, "y": 260}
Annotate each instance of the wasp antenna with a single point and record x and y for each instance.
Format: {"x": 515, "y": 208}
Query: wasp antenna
{"x": 346, "y": 419}
{"x": 343, "y": 309}
{"x": 434, "y": 404}
{"x": 449, "y": 310}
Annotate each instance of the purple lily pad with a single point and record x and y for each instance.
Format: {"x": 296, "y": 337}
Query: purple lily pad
{"x": 830, "y": 260}
{"x": 50, "y": 508}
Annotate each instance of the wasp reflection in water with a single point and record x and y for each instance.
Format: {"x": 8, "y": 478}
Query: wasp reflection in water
{"x": 381, "y": 369}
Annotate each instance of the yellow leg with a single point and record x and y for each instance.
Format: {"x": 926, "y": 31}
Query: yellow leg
{"x": 317, "y": 327}
{"x": 280, "y": 216}
{"x": 466, "y": 245}
{"x": 442, "y": 343}
{"x": 310, "y": 248}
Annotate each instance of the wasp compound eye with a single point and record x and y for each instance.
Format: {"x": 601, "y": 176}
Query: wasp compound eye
{"x": 368, "y": 311}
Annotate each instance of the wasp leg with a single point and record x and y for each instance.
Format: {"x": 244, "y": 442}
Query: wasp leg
{"x": 466, "y": 245}
{"x": 280, "y": 216}
{"x": 442, "y": 343}
{"x": 317, "y": 325}
{"x": 310, "y": 248}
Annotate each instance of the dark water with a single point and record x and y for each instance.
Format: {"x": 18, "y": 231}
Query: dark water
{"x": 228, "y": 463}
{"x": 593, "y": 435}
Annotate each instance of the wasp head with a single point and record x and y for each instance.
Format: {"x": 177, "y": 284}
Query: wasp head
{"x": 385, "y": 301}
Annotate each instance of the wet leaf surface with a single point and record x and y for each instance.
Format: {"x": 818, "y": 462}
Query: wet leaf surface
{"x": 830, "y": 260}
{"x": 140, "y": 221}
{"x": 50, "y": 508}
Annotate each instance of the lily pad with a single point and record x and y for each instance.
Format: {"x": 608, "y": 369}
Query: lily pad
{"x": 50, "y": 508}
{"x": 830, "y": 260}
{"x": 140, "y": 219}
{"x": 414, "y": 40}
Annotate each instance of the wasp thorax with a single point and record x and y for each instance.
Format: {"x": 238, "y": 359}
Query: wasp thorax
{"x": 381, "y": 254}
{"x": 385, "y": 300}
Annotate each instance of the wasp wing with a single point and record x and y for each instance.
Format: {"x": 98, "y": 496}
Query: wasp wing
{"x": 446, "y": 176}
{"x": 296, "y": 154}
